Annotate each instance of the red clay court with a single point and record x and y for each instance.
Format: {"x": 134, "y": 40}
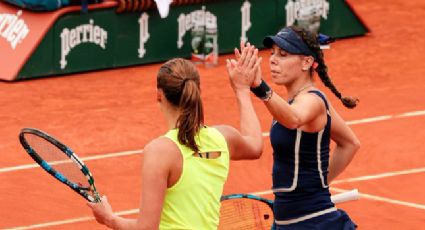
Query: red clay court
{"x": 107, "y": 117}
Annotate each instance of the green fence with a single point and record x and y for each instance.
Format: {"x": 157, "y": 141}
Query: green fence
{"x": 103, "y": 39}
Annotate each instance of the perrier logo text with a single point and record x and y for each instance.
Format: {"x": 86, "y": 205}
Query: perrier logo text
{"x": 297, "y": 9}
{"x": 86, "y": 33}
{"x": 13, "y": 28}
{"x": 193, "y": 20}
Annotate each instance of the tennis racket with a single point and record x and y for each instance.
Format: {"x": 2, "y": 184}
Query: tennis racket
{"x": 59, "y": 161}
{"x": 247, "y": 212}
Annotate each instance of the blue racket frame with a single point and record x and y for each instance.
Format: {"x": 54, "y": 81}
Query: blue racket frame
{"x": 89, "y": 193}
{"x": 247, "y": 196}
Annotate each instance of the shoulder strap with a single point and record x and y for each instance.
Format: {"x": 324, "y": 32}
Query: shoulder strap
{"x": 320, "y": 94}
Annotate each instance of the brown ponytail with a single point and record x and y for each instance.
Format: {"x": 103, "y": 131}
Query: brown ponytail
{"x": 179, "y": 80}
{"x": 312, "y": 42}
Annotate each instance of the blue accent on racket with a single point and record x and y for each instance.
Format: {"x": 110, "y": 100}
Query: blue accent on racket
{"x": 59, "y": 161}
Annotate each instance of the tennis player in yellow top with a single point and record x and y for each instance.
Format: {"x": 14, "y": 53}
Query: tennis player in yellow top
{"x": 184, "y": 171}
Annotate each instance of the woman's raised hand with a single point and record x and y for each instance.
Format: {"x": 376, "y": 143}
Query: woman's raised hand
{"x": 244, "y": 70}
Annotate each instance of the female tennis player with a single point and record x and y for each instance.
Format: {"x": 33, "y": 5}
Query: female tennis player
{"x": 184, "y": 171}
{"x": 302, "y": 128}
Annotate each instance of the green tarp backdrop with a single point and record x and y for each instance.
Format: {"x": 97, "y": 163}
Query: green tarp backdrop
{"x": 103, "y": 39}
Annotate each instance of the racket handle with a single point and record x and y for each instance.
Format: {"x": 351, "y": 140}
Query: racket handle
{"x": 346, "y": 196}
{"x": 94, "y": 199}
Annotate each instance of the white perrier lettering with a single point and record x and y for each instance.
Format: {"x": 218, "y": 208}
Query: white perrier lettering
{"x": 188, "y": 21}
{"x": 144, "y": 33}
{"x": 293, "y": 9}
{"x": 246, "y": 19}
{"x": 86, "y": 33}
{"x": 13, "y": 28}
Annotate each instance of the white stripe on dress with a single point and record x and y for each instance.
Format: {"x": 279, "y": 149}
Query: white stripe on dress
{"x": 319, "y": 161}
{"x": 296, "y": 166}
{"x": 306, "y": 217}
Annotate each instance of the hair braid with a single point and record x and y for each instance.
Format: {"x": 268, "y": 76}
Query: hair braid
{"x": 312, "y": 42}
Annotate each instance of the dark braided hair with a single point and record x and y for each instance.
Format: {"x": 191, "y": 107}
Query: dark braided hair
{"x": 311, "y": 40}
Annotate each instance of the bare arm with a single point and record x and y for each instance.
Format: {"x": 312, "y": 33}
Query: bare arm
{"x": 347, "y": 145}
{"x": 155, "y": 177}
{"x": 248, "y": 143}
{"x": 295, "y": 115}
{"x": 290, "y": 115}
{"x": 104, "y": 215}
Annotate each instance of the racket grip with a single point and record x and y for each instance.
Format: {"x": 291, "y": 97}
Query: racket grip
{"x": 346, "y": 196}
{"x": 95, "y": 198}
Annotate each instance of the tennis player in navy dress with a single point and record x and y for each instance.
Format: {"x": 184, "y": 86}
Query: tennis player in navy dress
{"x": 303, "y": 126}
{"x": 300, "y": 170}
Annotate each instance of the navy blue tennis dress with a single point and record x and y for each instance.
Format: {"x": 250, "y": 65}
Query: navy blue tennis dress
{"x": 300, "y": 170}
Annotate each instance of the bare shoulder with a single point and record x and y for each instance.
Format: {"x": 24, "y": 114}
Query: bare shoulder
{"x": 227, "y": 131}
{"x": 311, "y": 99}
{"x": 309, "y": 106}
{"x": 161, "y": 147}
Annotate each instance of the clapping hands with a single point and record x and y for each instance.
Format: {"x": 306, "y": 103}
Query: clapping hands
{"x": 244, "y": 71}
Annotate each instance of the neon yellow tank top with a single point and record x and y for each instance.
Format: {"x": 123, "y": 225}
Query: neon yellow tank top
{"x": 194, "y": 201}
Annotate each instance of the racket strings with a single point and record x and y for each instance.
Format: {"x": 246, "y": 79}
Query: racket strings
{"x": 245, "y": 214}
{"x": 57, "y": 159}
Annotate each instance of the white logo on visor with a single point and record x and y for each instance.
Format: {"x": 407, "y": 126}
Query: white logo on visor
{"x": 282, "y": 33}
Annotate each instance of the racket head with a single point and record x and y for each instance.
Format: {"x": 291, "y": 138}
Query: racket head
{"x": 59, "y": 161}
{"x": 245, "y": 211}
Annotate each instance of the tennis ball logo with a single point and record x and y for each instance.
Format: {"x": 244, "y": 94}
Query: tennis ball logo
{"x": 306, "y": 13}
{"x": 13, "y": 28}
{"x": 86, "y": 33}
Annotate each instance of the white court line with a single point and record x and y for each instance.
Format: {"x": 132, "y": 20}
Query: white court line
{"x": 387, "y": 117}
{"x": 135, "y": 211}
{"x": 265, "y": 134}
{"x": 370, "y": 120}
{"x": 69, "y": 221}
{"x": 362, "y": 195}
{"x": 412, "y": 114}
{"x": 85, "y": 159}
{"x": 383, "y": 199}
{"x": 378, "y": 176}
{"x": 362, "y": 178}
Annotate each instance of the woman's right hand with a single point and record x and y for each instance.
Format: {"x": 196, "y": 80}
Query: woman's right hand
{"x": 258, "y": 74}
{"x": 102, "y": 211}
{"x": 243, "y": 71}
